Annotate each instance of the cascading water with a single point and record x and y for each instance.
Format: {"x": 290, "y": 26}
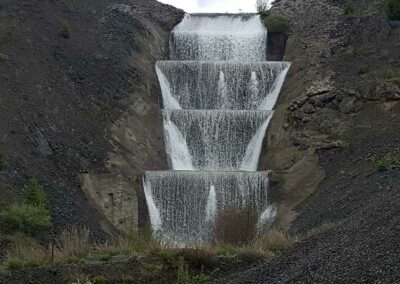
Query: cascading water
{"x": 199, "y": 84}
{"x": 219, "y": 94}
{"x": 214, "y": 139}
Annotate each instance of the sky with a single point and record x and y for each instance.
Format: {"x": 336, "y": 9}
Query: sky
{"x": 221, "y": 6}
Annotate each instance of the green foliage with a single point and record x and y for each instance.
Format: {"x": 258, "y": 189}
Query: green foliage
{"x": 65, "y": 30}
{"x": 100, "y": 280}
{"x": 226, "y": 251}
{"x": 384, "y": 164}
{"x": 3, "y": 56}
{"x": 127, "y": 279}
{"x": 3, "y": 161}
{"x": 184, "y": 277}
{"x": 387, "y": 74}
{"x": 351, "y": 10}
{"x": 26, "y": 218}
{"x": 5, "y": 32}
{"x": 35, "y": 195}
{"x": 392, "y": 9}
{"x": 71, "y": 4}
{"x": 348, "y": 10}
{"x": 276, "y": 23}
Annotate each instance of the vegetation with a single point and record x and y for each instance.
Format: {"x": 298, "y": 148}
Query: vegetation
{"x": 3, "y": 161}
{"x": 65, "y": 30}
{"x": 385, "y": 164}
{"x": 26, "y": 218}
{"x": 351, "y": 10}
{"x": 392, "y": 9}
{"x": 4, "y": 32}
{"x": 275, "y": 22}
{"x": 32, "y": 216}
{"x": 3, "y": 56}
{"x": 35, "y": 195}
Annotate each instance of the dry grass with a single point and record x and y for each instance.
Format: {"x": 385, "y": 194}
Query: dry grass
{"x": 236, "y": 226}
{"x": 73, "y": 246}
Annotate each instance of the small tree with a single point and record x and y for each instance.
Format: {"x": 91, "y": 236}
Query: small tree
{"x": 262, "y": 6}
{"x": 26, "y": 218}
{"x": 35, "y": 195}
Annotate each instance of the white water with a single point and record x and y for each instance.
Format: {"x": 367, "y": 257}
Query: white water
{"x": 219, "y": 94}
{"x": 219, "y": 37}
{"x": 186, "y": 200}
{"x": 214, "y": 140}
{"x": 200, "y": 84}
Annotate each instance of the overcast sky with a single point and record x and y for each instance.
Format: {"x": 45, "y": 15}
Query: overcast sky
{"x": 231, "y": 6}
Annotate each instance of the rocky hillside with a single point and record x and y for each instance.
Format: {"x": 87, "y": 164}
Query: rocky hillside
{"x": 79, "y": 104}
{"x": 334, "y": 146}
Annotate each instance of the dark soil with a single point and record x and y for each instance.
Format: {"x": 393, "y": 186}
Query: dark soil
{"x": 59, "y": 97}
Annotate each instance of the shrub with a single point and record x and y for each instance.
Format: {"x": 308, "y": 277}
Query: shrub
{"x": 2, "y": 161}
{"x": 4, "y": 32}
{"x": 3, "y": 56}
{"x": 392, "y": 9}
{"x": 384, "y": 164}
{"x": 276, "y": 241}
{"x": 363, "y": 69}
{"x": 235, "y": 226}
{"x": 65, "y": 30}
{"x": 276, "y": 23}
{"x": 262, "y": 6}
{"x": 348, "y": 10}
{"x": 73, "y": 242}
{"x": 26, "y": 218}
{"x": 35, "y": 195}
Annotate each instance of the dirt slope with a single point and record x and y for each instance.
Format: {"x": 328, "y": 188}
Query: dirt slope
{"x": 82, "y": 111}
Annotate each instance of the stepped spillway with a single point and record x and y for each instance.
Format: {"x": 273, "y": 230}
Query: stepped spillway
{"x": 219, "y": 93}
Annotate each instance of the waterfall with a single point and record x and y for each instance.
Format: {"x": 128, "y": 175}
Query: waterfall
{"x": 219, "y": 37}
{"x": 218, "y": 93}
{"x": 197, "y": 85}
{"x": 184, "y": 200}
{"x": 214, "y": 139}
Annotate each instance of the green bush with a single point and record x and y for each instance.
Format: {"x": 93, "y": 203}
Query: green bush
{"x": 2, "y": 161}
{"x": 363, "y": 69}
{"x": 26, "y": 218}
{"x": 392, "y": 9}
{"x": 384, "y": 164}
{"x": 35, "y": 195}
{"x": 65, "y": 30}
{"x": 276, "y": 23}
{"x": 348, "y": 10}
{"x": 4, "y": 32}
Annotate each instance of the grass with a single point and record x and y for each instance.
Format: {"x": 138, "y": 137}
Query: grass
{"x": 157, "y": 263}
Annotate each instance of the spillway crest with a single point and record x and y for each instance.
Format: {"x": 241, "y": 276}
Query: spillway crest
{"x": 219, "y": 93}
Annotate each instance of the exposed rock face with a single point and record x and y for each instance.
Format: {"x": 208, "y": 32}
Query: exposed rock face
{"x": 336, "y": 124}
{"x": 82, "y": 113}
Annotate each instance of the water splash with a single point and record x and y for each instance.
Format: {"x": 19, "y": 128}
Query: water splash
{"x": 177, "y": 148}
{"x": 211, "y": 208}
